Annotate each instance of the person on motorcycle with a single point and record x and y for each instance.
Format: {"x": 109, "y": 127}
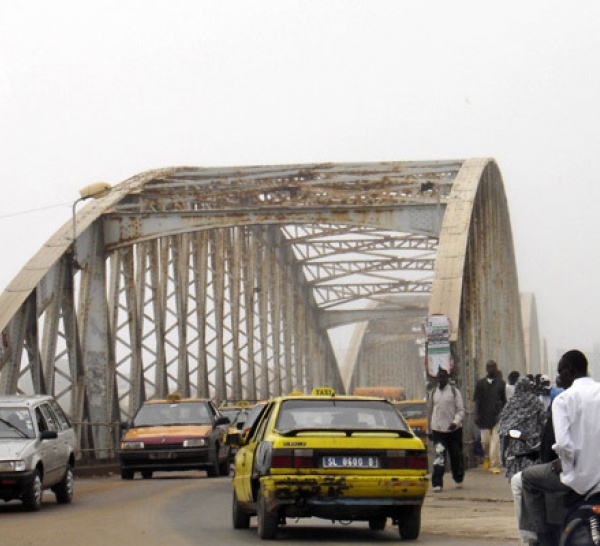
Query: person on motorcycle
{"x": 577, "y": 432}
{"x": 546, "y": 454}
{"x": 523, "y": 412}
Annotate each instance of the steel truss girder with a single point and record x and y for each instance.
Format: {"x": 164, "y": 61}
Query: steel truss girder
{"x": 222, "y": 283}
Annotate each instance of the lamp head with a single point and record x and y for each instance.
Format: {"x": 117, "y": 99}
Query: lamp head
{"x": 95, "y": 190}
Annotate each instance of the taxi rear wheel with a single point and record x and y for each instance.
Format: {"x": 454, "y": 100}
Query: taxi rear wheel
{"x": 377, "y": 524}
{"x": 241, "y": 519}
{"x": 266, "y": 521}
{"x": 409, "y": 522}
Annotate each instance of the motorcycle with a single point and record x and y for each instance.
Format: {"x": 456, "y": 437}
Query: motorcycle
{"x": 582, "y": 524}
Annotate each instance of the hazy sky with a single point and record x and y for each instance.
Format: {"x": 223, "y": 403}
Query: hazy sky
{"x": 104, "y": 90}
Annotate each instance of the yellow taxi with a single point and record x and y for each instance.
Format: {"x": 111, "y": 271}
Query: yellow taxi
{"x": 237, "y": 413}
{"x": 415, "y": 414}
{"x": 346, "y": 458}
{"x": 175, "y": 434}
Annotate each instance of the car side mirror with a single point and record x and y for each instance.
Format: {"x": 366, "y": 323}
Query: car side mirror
{"x": 222, "y": 421}
{"x": 48, "y": 435}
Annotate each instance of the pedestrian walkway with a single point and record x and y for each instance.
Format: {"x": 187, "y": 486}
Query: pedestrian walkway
{"x": 482, "y": 508}
{"x": 479, "y": 484}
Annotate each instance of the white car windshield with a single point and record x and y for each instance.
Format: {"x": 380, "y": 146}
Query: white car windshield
{"x": 15, "y": 423}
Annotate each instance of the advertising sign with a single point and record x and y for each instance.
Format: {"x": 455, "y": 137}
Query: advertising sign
{"x": 437, "y": 328}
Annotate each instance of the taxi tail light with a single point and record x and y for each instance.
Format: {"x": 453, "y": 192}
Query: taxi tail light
{"x": 411, "y": 460}
{"x": 292, "y": 458}
{"x": 282, "y": 458}
{"x": 303, "y": 458}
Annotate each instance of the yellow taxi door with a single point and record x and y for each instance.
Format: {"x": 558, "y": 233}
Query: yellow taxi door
{"x": 244, "y": 459}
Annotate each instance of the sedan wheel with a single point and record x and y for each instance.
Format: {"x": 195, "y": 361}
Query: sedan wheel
{"x": 266, "y": 522}
{"x": 224, "y": 467}
{"x": 64, "y": 488}
{"x": 409, "y": 522}
{"x": 127, "y": 474}
{"x": 32, "y": 499}
{"x": 213, "y": 470}
{"x": 240, "y": 519}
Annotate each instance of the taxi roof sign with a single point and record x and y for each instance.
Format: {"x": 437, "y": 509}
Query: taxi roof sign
{"x": 323, "y": 391}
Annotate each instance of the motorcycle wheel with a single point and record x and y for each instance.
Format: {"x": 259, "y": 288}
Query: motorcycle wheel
{"x": 576, "y": 533}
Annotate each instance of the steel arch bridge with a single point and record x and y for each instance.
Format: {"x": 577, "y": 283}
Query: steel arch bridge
{"x": 231, "y": 283}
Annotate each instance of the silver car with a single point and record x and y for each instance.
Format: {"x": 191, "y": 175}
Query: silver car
{"x": 37, "y": 450}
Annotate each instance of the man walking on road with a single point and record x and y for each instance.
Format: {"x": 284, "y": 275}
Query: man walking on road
{"x": 489, "y": 399}
{"x": 445, "y": 414}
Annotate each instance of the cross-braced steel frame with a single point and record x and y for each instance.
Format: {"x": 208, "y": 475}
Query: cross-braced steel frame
{"x": 231, "y": 283}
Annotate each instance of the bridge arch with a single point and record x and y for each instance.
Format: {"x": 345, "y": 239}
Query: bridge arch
{"x": 224, "y": 282}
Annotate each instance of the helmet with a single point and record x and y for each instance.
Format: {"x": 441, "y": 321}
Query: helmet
{"x": 545, "y": 378}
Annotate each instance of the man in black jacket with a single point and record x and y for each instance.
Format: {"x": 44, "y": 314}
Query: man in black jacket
{"x": 489, "y": 399}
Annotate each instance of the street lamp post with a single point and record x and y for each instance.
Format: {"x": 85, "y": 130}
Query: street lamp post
{"x": 91, "y": 191}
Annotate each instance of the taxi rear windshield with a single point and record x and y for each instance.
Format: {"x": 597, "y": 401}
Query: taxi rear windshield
{"x": 338, "y": 414}
{"x": 181, "y": 413}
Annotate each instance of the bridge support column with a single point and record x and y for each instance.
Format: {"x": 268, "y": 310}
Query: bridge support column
{"x": 93, "y": 320}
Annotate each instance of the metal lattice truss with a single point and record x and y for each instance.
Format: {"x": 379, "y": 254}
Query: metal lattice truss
{"x": 228, "y": 282}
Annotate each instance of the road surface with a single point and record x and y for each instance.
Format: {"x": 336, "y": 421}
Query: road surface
{"x": 183, "y": 509}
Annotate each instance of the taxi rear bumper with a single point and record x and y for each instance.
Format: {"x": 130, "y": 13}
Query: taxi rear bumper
{"x": 343, "y": 497}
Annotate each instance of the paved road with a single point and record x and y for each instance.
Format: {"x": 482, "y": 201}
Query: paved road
{"x": 188, "y": 508}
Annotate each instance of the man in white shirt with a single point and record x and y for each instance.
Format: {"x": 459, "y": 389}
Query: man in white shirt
{"x": 577, "y": 431}
{"x": 445, "y": 414}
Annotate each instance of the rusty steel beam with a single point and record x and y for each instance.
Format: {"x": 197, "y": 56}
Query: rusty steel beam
{"x": 226, "y": 283}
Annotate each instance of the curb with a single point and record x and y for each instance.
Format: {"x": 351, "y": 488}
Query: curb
{"x": 469, "y": 499}
{"x": 96, "y": 470}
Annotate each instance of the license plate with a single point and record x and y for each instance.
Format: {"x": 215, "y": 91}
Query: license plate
{"x": 163, "y": 455}
{"x": 350, "y": 461}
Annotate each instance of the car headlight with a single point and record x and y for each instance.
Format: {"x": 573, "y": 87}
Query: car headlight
{"x": 195, "y": 442}
{"x": 132, "y": 445}
{"x": 12, "y": 466}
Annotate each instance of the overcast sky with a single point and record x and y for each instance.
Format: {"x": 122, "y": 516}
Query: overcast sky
{"x": 104, "y": 90}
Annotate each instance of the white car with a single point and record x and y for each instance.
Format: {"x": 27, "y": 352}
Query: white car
{"x": 37, "y": 450}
